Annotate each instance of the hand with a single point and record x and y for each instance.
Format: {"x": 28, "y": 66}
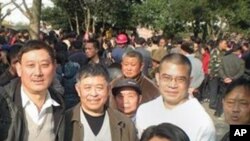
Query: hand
{"x": 227, "y": 80}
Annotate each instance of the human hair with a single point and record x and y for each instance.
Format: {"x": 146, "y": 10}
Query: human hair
{"x": 92, "y": 70}
{"x": 177, "y": 59}
{"x": 155, "y": 39}
{"x": 237, "y": 83}
{"x": 13, "y": 52}
{"x": 77, "y": 44}
{"x": 140, "y": 40}
{"x": 94, "y": 42}
{"x": 36, "y": 45}
{"x": 61, "y": 53}
{"x": 164, "y": 130}
{"x": 133, "y": 54}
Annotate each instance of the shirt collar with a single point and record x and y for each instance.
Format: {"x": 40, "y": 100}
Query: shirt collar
{"x": 26, "y": 100}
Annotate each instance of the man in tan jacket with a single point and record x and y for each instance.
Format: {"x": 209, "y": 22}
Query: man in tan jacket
{"x": 91, "y": 119}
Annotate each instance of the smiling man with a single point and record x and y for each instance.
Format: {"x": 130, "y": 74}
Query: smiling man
{"x": 174, "y": 105}
{"x": 40, "y": 106}
{"x": 91, "y": 119}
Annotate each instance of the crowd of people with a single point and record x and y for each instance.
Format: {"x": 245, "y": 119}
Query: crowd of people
{"x": 66, "y": 87}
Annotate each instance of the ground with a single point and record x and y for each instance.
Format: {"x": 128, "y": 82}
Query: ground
{"x": 220, "y": 125}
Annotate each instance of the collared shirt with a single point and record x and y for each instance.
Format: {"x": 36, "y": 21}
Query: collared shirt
{"x": 31, "y": 109}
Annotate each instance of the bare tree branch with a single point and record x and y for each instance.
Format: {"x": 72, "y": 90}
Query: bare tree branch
{"x": 7, "y": 13}
{"x": 82, "y": 5}
{"x": 26, "y": 8}
{"x": 20, "y": 8}
{"x": 5, "y": 4}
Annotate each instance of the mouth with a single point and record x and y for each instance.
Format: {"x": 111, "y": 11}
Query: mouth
{"x": 234, "y": 118}
{"x": 91, "y": 101}
{"x": 38, "y": 81}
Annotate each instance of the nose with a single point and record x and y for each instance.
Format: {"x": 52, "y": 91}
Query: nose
{"x": 93, "y": 92}
{"x": 38, "y": 70}
{"x": 236, "y": 107}
{"x": 173, "y": 83}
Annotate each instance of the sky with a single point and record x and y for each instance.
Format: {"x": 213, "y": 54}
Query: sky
{"x": 16, "y": 16}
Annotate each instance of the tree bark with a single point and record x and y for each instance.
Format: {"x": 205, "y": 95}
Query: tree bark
{"x": 33, "y": 14}
{"x": 34, "y": 27}
{"x": 77, "y": 24}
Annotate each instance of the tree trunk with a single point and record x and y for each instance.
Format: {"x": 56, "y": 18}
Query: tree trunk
{"x": 77, "y": 24}
{"x": 34, "y": 27}
{"x": 87, "y": 20}
{"x": 70, "y": 23}
{"x": 93, "y": 25}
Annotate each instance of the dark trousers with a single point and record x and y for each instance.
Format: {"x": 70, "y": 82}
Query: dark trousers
{"x": 213, "y": 85}
{"x": 219, "y": 106}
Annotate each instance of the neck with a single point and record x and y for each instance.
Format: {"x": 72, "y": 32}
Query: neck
{"x": 168, "y": 105}
{"x": 96, "y": 113}
{"x": 37, "y": 98}
{"x": 95, "y": 59}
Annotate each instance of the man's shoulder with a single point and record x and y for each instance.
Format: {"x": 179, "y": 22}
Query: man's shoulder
{"x": 149, "y": 106}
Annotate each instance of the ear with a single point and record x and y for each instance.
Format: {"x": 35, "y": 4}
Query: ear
{"x": 189, "y": 80}
{"x": 223, "y": 102}
{"x": 157, "y": 78}
{"x": 142, "y": 66}
{"x": 140, "y": 98}
{"x": 19, "y": 69}
{"x": 78, "y": 89}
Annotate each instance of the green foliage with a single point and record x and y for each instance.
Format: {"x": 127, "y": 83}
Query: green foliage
{"x": 151, "y": 13}
{"x": 55, "y": 16}
{"x": 172, "y": 16}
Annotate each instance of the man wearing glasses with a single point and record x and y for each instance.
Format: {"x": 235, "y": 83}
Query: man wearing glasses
{"x": 174, "y": 105}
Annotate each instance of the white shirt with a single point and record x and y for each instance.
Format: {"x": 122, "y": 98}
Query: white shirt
{"x": 189, "y": 116}
{"x": 31, "y": 109}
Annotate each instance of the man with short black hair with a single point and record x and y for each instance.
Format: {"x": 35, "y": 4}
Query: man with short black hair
{"x": 40, "y": 107}
{"x": 92, "y": 119}
{"x": 174, "y": 105}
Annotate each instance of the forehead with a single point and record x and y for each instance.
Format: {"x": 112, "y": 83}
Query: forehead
{"x": 239, "y": 92}
{"x": 40, "y": 54}
{"x": 127, "y": 89}
{"x": 93, "y": 80}
{"x": 129, "y": 58}
{"x": 174, "y": 69}
{"x": 89, "y": 45}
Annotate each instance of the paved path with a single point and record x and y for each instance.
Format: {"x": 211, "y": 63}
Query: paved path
{"x": 220, "y": 125}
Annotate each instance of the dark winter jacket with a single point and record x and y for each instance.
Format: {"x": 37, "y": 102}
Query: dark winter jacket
{"x": 17, "y": 125}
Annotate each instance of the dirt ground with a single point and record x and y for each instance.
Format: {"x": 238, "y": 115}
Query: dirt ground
{"x": 220, "y": 125}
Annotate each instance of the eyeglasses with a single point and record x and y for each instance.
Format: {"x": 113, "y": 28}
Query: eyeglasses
{"x": 177, "y": 79}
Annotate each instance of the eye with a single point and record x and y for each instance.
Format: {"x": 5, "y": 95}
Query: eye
{"x": 181, "y": 79}
{"x": 99, "y": 88}
{"x": 87, "y": 87}
{"x": 30, "y": 65}
{"x": 45, "y": 65}
{"x": 166, "y": 78}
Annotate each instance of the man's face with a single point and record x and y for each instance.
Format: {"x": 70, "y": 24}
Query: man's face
{"x": 173, "y": 81}
{"x": 223, "y": 45}
{"x": 236, "y": 106}
{"x": 90, "y": 50}
{"x": 162, "y": 43}
{"x": 93, "y": 93}
{"x": 131, "y": 67}
{"x": 36, "y": 70}
{"x": 127, "y": 101}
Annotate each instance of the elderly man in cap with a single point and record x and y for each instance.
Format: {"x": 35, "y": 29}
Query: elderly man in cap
{"x": 127, "y": 95}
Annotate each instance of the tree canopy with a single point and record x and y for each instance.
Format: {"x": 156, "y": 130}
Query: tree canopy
{"x": 202, "y": 17}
